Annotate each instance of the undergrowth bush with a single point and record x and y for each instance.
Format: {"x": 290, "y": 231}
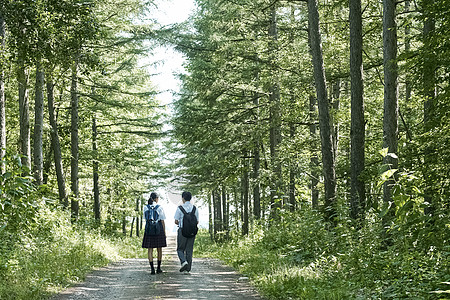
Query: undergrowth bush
{"x": 296, "y": 258}
{"x": 40, "y": 250}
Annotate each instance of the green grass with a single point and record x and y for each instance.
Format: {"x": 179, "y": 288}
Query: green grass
{"x": 296, "y": 259}
{"x": 56, "y": 255}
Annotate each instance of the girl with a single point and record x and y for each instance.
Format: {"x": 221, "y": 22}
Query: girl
{"x": 155, "y": 241}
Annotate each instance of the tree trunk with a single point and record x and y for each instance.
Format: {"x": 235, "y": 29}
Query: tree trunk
{"x": 132, "y": 226}
{"x": 55, "y": 144}
{"x": 24, "y": 138}
{"x": 357, "y": 131}
{"x": 224, "y": 210}
{"x": 74, "y": 145}
{"x": 429, "y": 92}
{"x": 407, "y": 49}
{"x": 292, "y": 170}
{"x": 95, "y": 172}
{"x": 2, "y": 95}
{"x": 38, "y": 163}
{"x": 275, "y": 117}
{"x": 256, "y": 161}
{"x": 314, "y": 160}
{"x": 217, "y": 217}
{"x": 210, "y": 218}
{"x": 390, "y": 126}
{"x": 328, "y": 159}
{"x": 245, "y": 202}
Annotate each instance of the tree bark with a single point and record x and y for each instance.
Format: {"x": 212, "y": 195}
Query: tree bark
{"x": 292, "y": 170}
{"x": 210, "y": 217}
{"x": 275, "y": 117}
{"x": 357, "y": 131}
{"x": 224, "y": 211}
{"x": 56, "y": 144}
{"x": 2, "y": 95}
{"x": 328, "y": 159}
{"x": 95, "y": 173}
{"x": 390, "y": 120}
{"x": 245, "y": 192}
{"x": 314, "y": 160}
{"x": 429, "y": 92}
{"x": 256, "y": 161}
{"x": 74, "y": 145}
{"x": 24, "y": 111}
{"x": 38, "y": 162}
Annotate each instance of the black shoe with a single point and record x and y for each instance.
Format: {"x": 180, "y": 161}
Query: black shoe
{"x": 184, "y": 266}
{"x": 153, "y": 272}
{"x": 159, "y": 271}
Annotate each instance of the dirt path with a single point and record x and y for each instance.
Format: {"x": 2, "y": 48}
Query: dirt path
{"x": 131, "y": 279}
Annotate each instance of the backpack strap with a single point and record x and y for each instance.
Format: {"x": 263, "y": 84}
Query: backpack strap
{"x": 193, "y": 210}
{"x": 182, "y": 210}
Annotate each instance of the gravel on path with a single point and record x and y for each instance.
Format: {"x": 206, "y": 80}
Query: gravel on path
{"x": 131, "y": 279}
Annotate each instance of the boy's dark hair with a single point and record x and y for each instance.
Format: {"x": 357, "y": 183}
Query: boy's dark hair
{"x": 187, "y": 196}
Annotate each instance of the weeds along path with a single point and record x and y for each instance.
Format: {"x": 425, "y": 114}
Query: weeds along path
{"x": 131, "y": 279}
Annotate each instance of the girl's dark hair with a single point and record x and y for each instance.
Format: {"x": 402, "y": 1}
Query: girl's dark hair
{"x": 152, "y": 198}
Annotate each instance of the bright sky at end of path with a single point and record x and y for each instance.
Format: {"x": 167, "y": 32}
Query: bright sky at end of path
{"x": 170, "y": 61}
{"x": 165, "y": 64}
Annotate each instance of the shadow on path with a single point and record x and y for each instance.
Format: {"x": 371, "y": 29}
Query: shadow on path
{"x": 131, "y": 279}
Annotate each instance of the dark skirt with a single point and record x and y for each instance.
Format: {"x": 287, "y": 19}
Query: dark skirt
{"x": 154, "y": 241}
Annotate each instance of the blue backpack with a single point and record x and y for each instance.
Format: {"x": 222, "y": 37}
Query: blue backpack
{"x": 152, "y": 222}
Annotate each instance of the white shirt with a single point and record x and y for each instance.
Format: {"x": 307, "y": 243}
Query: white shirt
{"x": 159, "y": 210}
{"x": 188, "y": 208}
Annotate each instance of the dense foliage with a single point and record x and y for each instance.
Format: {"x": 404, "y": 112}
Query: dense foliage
{"x": 250, "y": 65}
{"x": 78, "y": 112}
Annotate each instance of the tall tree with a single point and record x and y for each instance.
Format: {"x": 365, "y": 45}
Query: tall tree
{"x": 74, "y": 205}
{"x": 328, "y": 160}
{"x": 2, "y": 92}
{"x": 38, "y": 161}
{"x": 314, "y": 160}
{"x": 24, "y": 113}
{"x": 275, "y": 112}
{"x": 357, "y": 132}
{"x": 96, "y": 189}
{"x": 429, "y": 93}
{"x": 56, "y": 145}
{"x": 390, "y": 119}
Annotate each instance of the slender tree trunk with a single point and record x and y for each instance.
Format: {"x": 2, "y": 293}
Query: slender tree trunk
{"x": 74, "y": 145}
{"x": 225, "y": 224}
{"x": 47, "y": 163}
{"x": 245, "y": 202}
{"x": 210, "y": 217}
{"x": 335, "y": 102}
{"x": 357, "y": 131}
{"x": 95, "y": 171}
{"x": 390, "y": 120}
{"x": 2, "y": 95}
{"x": 132, "y": 225}
{"x": 328, "y": 159}
{"x": 275, "y": 116}
{"x": 219, "y": 211}
{"x": 314, "y": 160}
{"x": 24, "y": 111}
{"x": 292, "y": 203}
{"x": 56, "y": 144}
{"x": 38, "y": 163}
{"x": 256, "y": 162}
{"x": 407, "y": 49}
{"x": 216, "y": 201}
{"x": 429, "y": 92}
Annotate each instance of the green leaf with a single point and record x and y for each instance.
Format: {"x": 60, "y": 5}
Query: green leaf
{"x": 383, "y": 152}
